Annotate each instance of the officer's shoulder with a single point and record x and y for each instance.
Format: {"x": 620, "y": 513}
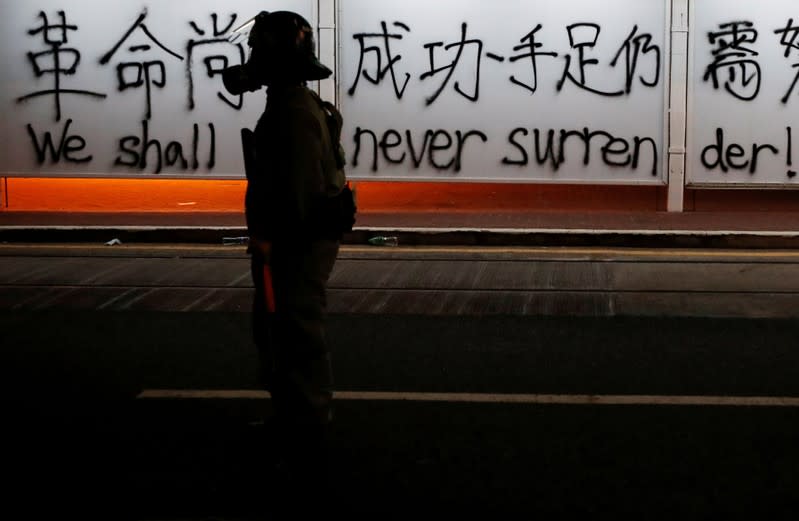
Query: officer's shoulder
{"x": 306, "y": 98}
{"x": 304, "y": 104}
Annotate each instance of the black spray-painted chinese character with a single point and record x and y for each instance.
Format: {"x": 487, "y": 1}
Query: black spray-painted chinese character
{"x": 214, "y": 65}
{"x": 634, "y": 47}
{"x": 147, "y": 73}
{"x": 743, "y": 71}
{"x": 532, "y": 47}
{"x": 582, "y": 38}
{"x": 789, "y": 40}
{"x": 431, "y": 47}
{"x": 391, "y": 60}
{"x": 60, "y": 61}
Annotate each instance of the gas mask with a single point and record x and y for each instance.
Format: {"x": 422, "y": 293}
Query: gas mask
{"x": 281, "y": 50}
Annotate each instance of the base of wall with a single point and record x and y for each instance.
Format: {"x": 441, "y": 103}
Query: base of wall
{"x": 169, "y": 195}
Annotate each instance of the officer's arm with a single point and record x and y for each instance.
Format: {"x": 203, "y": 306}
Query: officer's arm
{"x": 260, "y": 248}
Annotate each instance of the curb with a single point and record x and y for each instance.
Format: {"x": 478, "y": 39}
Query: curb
{"x": 422, "y": 236}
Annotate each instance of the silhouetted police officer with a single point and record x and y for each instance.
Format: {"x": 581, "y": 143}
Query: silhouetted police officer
{"x": 295, "y": 182}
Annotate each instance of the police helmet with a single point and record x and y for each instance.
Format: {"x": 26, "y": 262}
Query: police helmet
{"x": 282, "y": 47}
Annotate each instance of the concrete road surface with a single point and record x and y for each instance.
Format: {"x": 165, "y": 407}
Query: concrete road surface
{"x": 508, "y": 383}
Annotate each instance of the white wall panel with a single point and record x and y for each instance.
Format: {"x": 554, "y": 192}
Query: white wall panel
{"x": 743, "y": 122}
{"x": 450, "y": 89}
{"x": 124, "y": 88}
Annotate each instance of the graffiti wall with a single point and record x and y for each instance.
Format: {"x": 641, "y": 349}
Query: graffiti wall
{"x": 545, "y": 91}
{"x": 744, "y": 93}
{"x": 125, "y": 88}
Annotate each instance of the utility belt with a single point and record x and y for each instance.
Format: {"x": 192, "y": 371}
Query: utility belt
{"x": 335, "y": 215}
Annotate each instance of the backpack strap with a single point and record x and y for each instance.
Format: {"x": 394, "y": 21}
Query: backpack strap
{"x": 335, "y": 122}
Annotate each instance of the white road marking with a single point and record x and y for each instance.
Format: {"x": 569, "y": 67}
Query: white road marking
{"x": 544, "y": 399}
{"x": 438, "y": 230}
{"x": 681, "y": 254}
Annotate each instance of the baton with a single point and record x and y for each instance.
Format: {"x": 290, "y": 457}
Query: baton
{"x": 269, "y": 291}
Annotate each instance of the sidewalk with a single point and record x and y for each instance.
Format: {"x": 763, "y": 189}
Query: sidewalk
{"x": 620, "y": 229}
